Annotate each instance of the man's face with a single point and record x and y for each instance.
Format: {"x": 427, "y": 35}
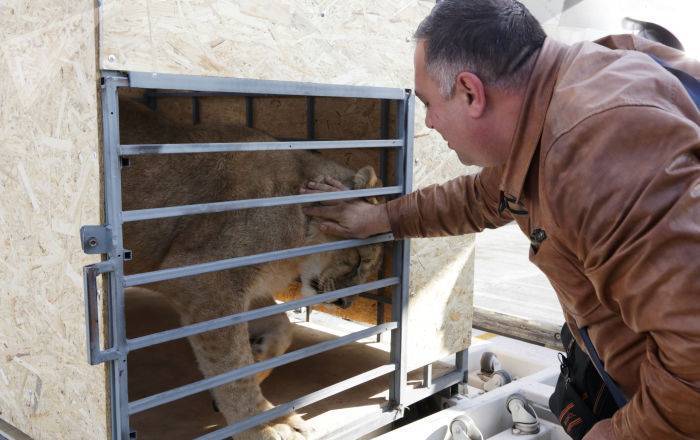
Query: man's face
{"x": 448, "y": 116}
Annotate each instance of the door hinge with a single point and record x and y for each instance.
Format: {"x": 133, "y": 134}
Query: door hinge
{"x": 96, "y": 239}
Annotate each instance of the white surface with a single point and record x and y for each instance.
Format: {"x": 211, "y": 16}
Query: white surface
{"x": 507, "y": 282}
{"x": 535, "y": 370}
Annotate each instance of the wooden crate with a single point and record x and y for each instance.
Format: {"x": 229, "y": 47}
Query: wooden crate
{"x": 50, "y": 175}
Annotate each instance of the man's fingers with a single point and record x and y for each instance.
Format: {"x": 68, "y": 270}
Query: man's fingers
{"x": 338, "y": 185}
{"x": 324, "y": 212}
{"x": 324, "y": 186}
{"x": 334, "y": 229}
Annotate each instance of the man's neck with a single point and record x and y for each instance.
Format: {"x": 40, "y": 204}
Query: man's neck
{"x": 501, "y": 121}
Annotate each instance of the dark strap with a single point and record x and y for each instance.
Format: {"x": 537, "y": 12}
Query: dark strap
{"x": 615, "y": 390}
{"x": 691, "y": 84}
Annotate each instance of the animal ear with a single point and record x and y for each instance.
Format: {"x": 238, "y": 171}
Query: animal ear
{"x": 367, "y": 178}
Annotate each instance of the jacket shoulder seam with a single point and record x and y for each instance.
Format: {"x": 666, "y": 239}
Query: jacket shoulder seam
{"x": 573, "y": 126}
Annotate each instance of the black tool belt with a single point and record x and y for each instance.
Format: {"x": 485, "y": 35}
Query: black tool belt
{"x": 581, "y": 398}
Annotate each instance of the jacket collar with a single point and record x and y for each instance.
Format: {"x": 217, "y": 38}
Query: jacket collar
{"x": 528, "y": 131}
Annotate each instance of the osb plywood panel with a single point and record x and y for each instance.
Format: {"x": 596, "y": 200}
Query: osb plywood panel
{"x": 49, "y": 181}
{"x": 358, "y": 42}
{"x": 348, "y": 42}
{"x": 442, "y": 269}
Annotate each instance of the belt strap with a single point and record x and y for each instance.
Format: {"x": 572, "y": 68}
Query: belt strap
{"x": 614, "y": 389}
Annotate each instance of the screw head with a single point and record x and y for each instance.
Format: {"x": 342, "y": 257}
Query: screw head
{"x": 92, "y": 242}
{"x": 111, "y": 58}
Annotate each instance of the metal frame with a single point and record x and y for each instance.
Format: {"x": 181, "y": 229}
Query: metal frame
{"x": 117, "y": 346}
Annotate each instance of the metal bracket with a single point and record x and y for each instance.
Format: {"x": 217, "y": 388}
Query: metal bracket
{"x": 92, "y": 329}
{"x": 96, "y": 239}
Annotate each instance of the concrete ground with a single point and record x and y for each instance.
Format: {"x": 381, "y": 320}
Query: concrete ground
{"x": 505, "y": 281}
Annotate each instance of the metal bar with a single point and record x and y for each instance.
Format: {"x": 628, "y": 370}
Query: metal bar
{"x": 92, "y": 326}
{"x": 9, "y": 432}
{"x": 294, "y": 405}
{"x": 193, "y": 93}
{"x": 401, "y": 134}
{"x": 209, "y": 208}
{"x": 239, "y": 318}
{"x": 116, "y": 336}
{"x": 428, "y": 375}
{"x": 311, "y": 117}
{"x": 383, "y": 162}
{"x": 147, "y": 80}
{"x": 195, "y": 111}
{"x": 380, "y": 311}
{"x": 239, "y": 373}
{"x": 222, "y": 147}
{"x": 151, "y": 101}
{"x": 233, "y": 263}
{"x": 414, "y": 395}
{"x": 384, "y": 119}
{"x": 409, "y": 141}
{"x": 462, "y": 363}
{"x": 401, "y": 261}
{"x": 398, "y": 336}
{"x": 249, "y": 115}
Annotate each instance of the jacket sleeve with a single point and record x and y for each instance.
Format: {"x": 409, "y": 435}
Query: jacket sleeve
{"x": 463, "y": 205}
{"x": 632, "y": 212}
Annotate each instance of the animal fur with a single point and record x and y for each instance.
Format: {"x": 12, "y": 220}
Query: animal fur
{"x": 168, "y": 180}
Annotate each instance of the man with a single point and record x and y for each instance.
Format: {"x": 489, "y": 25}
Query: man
{"x": 595, "y": 153}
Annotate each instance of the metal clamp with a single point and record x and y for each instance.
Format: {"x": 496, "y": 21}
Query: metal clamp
{"x": 96, "y": 239}
{"x": 92, "y": 328}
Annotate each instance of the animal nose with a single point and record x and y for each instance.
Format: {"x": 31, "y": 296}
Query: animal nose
{"x": 343, "y": 303}
{"x": 314, "y": 284}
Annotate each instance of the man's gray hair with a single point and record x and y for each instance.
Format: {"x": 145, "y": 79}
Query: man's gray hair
{"x": 494, "y": 39}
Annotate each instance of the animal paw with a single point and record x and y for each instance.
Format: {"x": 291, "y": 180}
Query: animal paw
{"x": 292, "y": 427}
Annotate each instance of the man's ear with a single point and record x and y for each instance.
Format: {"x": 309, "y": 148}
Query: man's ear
{"x": 367, "y": 178}
{"x": 470, "y": 88}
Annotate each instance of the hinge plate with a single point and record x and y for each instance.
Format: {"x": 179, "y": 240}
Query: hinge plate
{"x": 96, "y": 239}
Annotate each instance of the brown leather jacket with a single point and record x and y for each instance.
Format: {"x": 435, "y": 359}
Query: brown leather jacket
{"x": 604, "y": 177}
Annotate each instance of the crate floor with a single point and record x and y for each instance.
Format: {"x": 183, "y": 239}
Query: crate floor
{"x": 170, "y": 365}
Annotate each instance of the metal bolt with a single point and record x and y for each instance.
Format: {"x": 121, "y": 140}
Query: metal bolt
{"x": 92, "y": 242}
{"x": 111, "y": 59}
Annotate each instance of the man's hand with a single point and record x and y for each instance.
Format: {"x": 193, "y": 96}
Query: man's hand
{"x": 354, "y": 218}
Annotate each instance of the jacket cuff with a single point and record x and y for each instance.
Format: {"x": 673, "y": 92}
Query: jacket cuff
{"x": 397, "y": 210}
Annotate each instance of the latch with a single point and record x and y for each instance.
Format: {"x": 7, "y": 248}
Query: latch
{"x": 92, "y": 328}
{"x": 96, "y": 239}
